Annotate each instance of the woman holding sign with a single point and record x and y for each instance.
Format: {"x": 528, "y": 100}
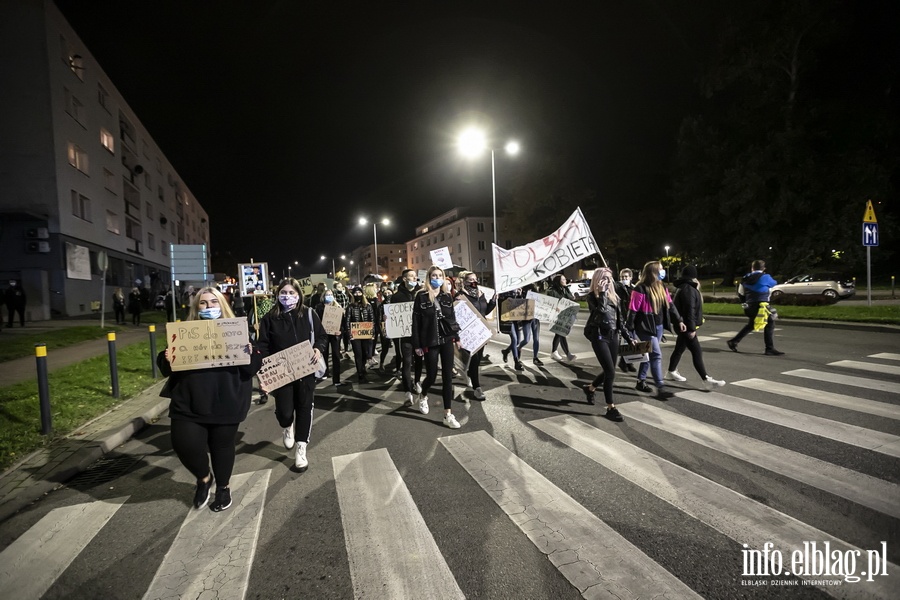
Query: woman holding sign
{"x": 434, "y": 333}
{"x": 360, "y": 321}
{"x": 206, "y": 408}
{"x": 333, "y": 339}
{"x": 471, "y": 293}
{"x": 287, "y": 324}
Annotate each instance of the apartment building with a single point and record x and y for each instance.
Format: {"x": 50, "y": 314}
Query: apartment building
{"x": 466, "y": 234}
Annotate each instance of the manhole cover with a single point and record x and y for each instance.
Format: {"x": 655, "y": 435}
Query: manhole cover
{"x": 104, "y": 470}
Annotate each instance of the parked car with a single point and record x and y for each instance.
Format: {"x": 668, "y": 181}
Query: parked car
{"x": 830, "y": 284}
{"x": 580, "y": 289}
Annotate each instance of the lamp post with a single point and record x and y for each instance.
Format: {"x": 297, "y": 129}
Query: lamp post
{"x": 333, "y": 271}
{"x": 364, "y": 221}
{"x": 357, "y": 271}
{"x": 472, "y": 142}
{"x": 297, "y": 263}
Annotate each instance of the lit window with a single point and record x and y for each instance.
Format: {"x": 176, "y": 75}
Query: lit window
{"x": 112, "y": 222}
{"x": 78, "y": 158}
{"x": 81, "y": 206}
{"x": 107, "y": 140}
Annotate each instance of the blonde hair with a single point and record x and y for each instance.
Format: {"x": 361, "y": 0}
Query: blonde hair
{"x": 611, "y": 294}
{"x": 433, "y": 293}
{"x": 655, "y": 288}
{"x": 193, "y": 313}
{"x": 370, "y": 291}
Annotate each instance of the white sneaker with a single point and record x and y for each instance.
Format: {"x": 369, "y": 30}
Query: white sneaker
{"x": 711, "y": 383}
{"x": 556, "y": 355}
{"x": 417, "y": 388}
{"x": 423, "y": 405}
{"x": 479, "y": 395}
{"x": 300, "y": 460}
{"x": 287, "y": 437}
{"x": 675, "y": 376}
{"x": 571, "y": 357}
{"x": 409, "y": 400}
{"x": 450, "y": 421}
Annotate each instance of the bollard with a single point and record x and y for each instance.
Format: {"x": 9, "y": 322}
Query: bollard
{"x": 892, "y": 286}
{"x": 714, "y": 289}
{"x": 40, "y": 355}
{"x": 113, "y": 365}
{"x": 152, "y": 329}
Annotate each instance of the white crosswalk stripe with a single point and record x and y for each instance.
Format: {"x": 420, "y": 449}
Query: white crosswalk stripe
{"x": 881, "y": 409}
{"x": 865, "y": 366}
{"x": 860, "y": 382}
{"x": 886, "y": 355}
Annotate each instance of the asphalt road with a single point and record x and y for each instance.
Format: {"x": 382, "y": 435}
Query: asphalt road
{"x": 536, "y": 496}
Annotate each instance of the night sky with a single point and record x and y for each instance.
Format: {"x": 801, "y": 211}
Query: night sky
{"x": 289, "y": 120}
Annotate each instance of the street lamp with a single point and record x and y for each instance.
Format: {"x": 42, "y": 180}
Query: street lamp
{"x": 364, "y": 221}
{"x": 667, "y": 250}
{"x": 472, "y": 143}
{"x": 289, "y": 268}
{"x": 357, "y": 272}
{"x": 333, "y": 272}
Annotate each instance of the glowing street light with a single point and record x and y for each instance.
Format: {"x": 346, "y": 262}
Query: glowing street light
{"x": 333, "y": 271}
{"x": 667, "y": 250}
{"x": 364, "y": 221}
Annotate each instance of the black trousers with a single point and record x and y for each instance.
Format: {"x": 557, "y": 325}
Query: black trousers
{"x": 333, "y": 343}
{"x": 691, "y": 344}
{"x": 294, "y": 404}
{"x": 606, "y": 349}
{"x": 560, "y": 340}
{"x": 444, "y": 352}
{"x": 196, "y": 443}
{"x": 410, "y": 361}
{"x": 360, "y": 355}
{"x": 474, "y": 367}
{"x": 120, "y": 314}
{"x": 768, "y": 333}
{"x": 15, "y": 309}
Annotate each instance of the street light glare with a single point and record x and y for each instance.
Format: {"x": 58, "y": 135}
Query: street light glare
{"x": 385, "y": 221}
{"x": 512, "y": 148}
{"x": 363, "y": 221}
{"x": 472, "y": 142}
{"x": 322, "y": 257}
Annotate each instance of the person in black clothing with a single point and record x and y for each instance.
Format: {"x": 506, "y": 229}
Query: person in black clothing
{"x": 287, "y": 324}
{"x": 603, "y": 328}
{"x": 689, "y": 303}
{"x": 410, "y": 362}
{"x": 471, "y": 293}
{"x": 206, "y": 408}
{"x": 359, "y": 311}
{"x": 134, "y": 306}
{"x": 119, "y": 306}
{"x": 14, "y": 297}
{"x": 513, "y": 329}
{"x": 558, "y": 289}
{"x": 623, "y": 291}
{"x": 333, "y": 341}
{"x": 756, "y": 285}
{"x": 434, "y": 334}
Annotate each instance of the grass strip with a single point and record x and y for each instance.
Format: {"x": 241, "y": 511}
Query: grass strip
{"x": 833, "y": 312}
{"x": 78, "y": 393}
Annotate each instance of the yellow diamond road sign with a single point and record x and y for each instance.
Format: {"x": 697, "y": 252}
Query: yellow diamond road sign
{"x": 869, "y": 217}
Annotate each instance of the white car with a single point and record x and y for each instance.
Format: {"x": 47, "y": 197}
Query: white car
{"x": 579, "y": 289}
{"x": 831, "y": 285}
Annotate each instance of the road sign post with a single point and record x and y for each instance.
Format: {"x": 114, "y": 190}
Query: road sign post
{"x": 870, "y": 238}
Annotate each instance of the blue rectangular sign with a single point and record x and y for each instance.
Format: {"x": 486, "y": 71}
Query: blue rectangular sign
{"x": 870, "y": 234}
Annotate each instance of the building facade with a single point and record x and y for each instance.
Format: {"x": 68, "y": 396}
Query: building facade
{"x": 392, "y": 259}
{"x": 467, "y": 235}
{"x": 81, "y": 179}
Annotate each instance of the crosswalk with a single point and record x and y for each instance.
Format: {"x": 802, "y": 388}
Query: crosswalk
{"x": 392, "y": 552}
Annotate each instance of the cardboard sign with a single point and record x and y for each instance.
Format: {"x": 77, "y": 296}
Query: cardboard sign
{"x": 254, "y": 278}
{"x": 559, "y": 313}
{"x": 331, "y": 319}
{"x": 362, "y": 330}
{"x": 516, "y": 309}
{"x": 286, "y": 366}
{"x": 207, "y": 343}
{"x": 306, "y": 286}
{"x": 474, "y": 333}
{"x": 398, "y": 319}
{"x": 441, "y": 258}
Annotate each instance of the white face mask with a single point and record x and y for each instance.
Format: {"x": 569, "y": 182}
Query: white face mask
{"x": 210, "y": 313}
{"x": 288, "y": 301}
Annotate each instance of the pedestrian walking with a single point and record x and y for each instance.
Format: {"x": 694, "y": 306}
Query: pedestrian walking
{"x": 757, "y": 284}
{"x": 604, "y": 327}
{"x": 410, "y": 361}
{"x": 343, "y": 300}
{"x": 484, "y": 306}
{"x": 119, "y": 306}
{"x": 14, "y": 297}
{"x": 558, "y": 289}
{"x": 435, "y": 333}
{"x": 513, "y": 329}
{"x": 689, "y": 302}
{"x": 360, "y": 311}
{"x": 287, "y": 324}
{"x": 134, "y": 305}
{"x": 206, "y": 408}
{"x": 623, "y": 290}
{"x": 332, "y": 342}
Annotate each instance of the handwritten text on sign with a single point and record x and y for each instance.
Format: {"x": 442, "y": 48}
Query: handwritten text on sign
{"x": 286, "y": 366}
{"x": 441, "y": 258}
{"x": 522, "y": 265}
{"x": 473, "y": 331}
{"x": 398, "y": 319}
{"x": 559, "y": 313}
{"x": 516, "y": 309}
{"x": 331, "y": 319}
{"x": 207, "y": 343}
{"x": 362, "y": 330}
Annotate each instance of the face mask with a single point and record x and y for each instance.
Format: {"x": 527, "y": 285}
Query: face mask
{"x": 210, "y": 313}
{"x": 472, "y": 285}
{"x": 625, "y": 280}
{"x": 288, "y": 301}
{"x": 436, "y": 283}
{"x": 662, "y": 273}
{"x": 329, "y": 299}
{"x": 358, "y": 297}
{"x": 410, "y": 284}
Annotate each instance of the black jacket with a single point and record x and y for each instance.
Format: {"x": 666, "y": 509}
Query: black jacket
{"x": 404, "y": 294}
{"x": 689, "y": 303}
{"x": 480, "y": 303}
{"x": 425, "y": 332}
{"x": 605, "y": 316}
{"x": 278, "y": 332}
{"x": 218, "y": 396}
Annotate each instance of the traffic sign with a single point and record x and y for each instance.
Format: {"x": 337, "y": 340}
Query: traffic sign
{"x": 869, "y": 217}
{"x": 870, "y": 234}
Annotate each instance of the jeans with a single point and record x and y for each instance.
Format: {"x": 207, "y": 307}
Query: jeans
{"x": 655, "y": 364}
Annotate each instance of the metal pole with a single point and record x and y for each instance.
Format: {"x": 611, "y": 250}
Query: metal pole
{"x": 375, "y": 233}
{"x": 152, "y": 330}
{"x": 40, "y": 356}
{"x": 103, "y": 302}
{"x": 332, "y": 268}
{"x": 868, "y": 275}
{"x": 113, "y": 365}
{"x": 494, "y": 196}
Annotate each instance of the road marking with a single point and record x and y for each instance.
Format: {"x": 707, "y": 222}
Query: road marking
{"x": 882, "y": 409}
{"x": 744, "y": 520}
{"x": 391, "y": 551}
{"x": 30, "y": 565}
{"x": 588, "y": 552}
{"x": 857, "y": 487}
{"x": 861, "y": 382}
{"x": 886, "y": 356}
{"x": 213, "y": 552}
{"x": 877, "y": 441}
{"x": 864, "y": 366}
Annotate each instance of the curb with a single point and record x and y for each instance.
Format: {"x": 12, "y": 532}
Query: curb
{"x": 870, "y": 327}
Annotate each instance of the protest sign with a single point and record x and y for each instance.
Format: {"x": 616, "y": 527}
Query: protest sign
{"x": 362, "y": 330}
{"x": 516, "y": 309}
{"x": 306, "y": 285}
{"x": 331, "y": 319}
{"x": 441, "y": 258}
{"x": 461, "y": 358}
{"x": 254, "y": 278}
{"x": 207, "y": 343}
{"x": 559, "y": 313}
{"x": 398, "y": 319}
{"x": 286, "y": 366}
{"x": 522, "y": 265}
{"x": 474, "y": 333}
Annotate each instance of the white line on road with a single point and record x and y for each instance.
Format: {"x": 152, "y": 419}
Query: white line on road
{"x": 588, "y": 552}
{"x": 861, "y": 382}
{"x": 744, "y": 520}
{"x": 864, "y": 366}
{"x": 872, "y": 407}
{"x": 863, "y": 489}
{"x": 212, "y": 554}
{"x": 877, "y": 441}
{"x": 886, "y": 356}
{"x": 30, "y": 565}
{"x": 391, "y": 551}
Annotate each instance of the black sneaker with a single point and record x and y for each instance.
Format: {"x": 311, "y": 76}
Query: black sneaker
{"x": 732, "y": 345}
{"x": 613, "y": 414}
{"x": 538, "y": 362}
{"x": 223, "y": 500}
{"x": 773, "y": 352}
{"x": 341, "y": 383}
{"x": 623, "y": 365}
{"x": 505, "y": 353}
{"x": 631, "y": 367}
{"x": 642, "y": 386}
{"x": 202, "y": 495}
{"x": 664, "y": 395}
{"x": 519, "y": 366}
{"x": 588, "y": 394}
{"x": 263, "y": 398}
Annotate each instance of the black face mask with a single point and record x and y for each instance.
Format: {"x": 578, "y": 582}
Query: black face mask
{"x": 358, "y": 296}
{"x": 473, "y": 285}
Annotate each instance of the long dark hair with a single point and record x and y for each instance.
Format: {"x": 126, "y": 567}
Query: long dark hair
{"x": 278, "y": 309}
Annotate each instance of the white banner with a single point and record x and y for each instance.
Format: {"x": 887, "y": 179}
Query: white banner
{"x": 560, "y": 313}
{"x": 441, "y": 258}
{"x": 398, "y": 319}
{"x": 522, "y": 265}
{"x": 78, "y": 262}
